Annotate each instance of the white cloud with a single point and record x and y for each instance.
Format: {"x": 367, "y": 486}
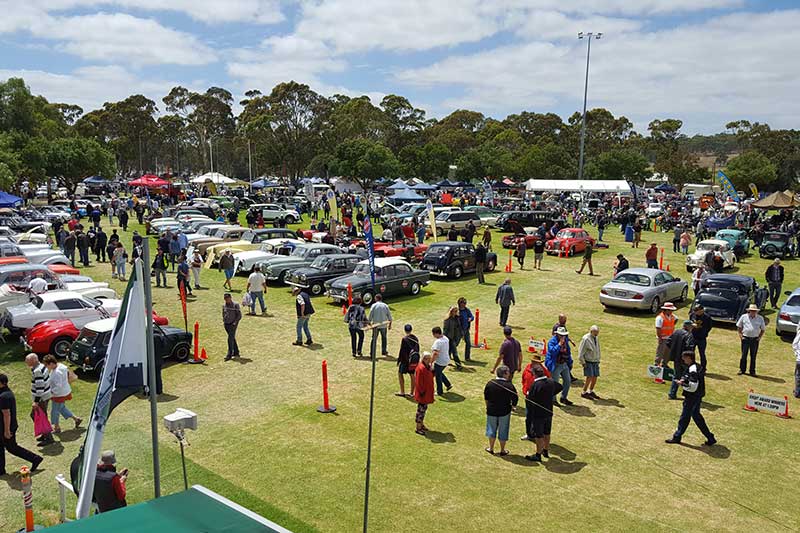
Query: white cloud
{"x": 546, "y": 25}
{"x": 729, "y": 67}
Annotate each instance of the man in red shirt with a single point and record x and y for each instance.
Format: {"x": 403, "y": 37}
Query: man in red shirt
{"x": 109, "y": 487}
{"x": 651, "y": 255}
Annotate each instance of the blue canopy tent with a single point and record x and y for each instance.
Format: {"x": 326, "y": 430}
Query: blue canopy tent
{"x": 9, "y": 200}
{"x": 96, "y": 180}
{"x": 398, "y": 185}
{"x": 665, "y": 187}
{"x": 424, "y": 187}
{"x": 264, "y": 184}
{"x": 405, "y": 195}
{"x": 444, "y": 184}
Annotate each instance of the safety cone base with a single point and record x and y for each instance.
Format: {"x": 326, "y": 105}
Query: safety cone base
{"x": 330, "y": 409}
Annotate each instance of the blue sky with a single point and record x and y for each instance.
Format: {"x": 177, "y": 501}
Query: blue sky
{"x": 706, "y": 62}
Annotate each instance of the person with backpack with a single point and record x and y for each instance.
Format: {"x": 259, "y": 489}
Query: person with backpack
{"x": 407, "y": 360}
{"x": 356, "y": 320}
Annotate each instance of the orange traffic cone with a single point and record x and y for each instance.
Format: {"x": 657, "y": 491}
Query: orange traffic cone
{"x": 203, "y": 356}
{"x": 344, "y": 310}
{"x": 485, "y": 344}
{"x": 667, "y": 267}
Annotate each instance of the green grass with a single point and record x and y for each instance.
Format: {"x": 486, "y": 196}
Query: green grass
{"x": 262, "y": 443}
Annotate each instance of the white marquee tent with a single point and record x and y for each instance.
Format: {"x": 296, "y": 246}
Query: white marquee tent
{"x": 610, "y": 186}
{"x": 213, "y": 177}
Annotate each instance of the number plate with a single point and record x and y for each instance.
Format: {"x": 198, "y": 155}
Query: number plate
{"x": 621, "y": 294}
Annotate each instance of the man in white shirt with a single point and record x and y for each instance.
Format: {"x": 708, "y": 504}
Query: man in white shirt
{"x": 257, "y": 286}
{"x": 796, "y": 348}
{"x": 37, "y": 285}
{"x": 441, "y": 358}
{"x": 751, "y": 328}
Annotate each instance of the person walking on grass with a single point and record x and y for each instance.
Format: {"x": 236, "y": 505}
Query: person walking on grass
{"x": 587, "y": 258}
{"x": 538, "y": 253}
{"x": 589, "y": 358}
{"x": 679, "y": 342}
{"x": 8, "y": 430}
{"x": 540, "y": 400}
{"x": 61, "y": 378}
{"x": 562, "y": 323}
{"x": 510, "y": 354}
{"x": 183, "y": 276}
{"x": 694, "y": 388}
{"x": 796, "y": 349}
{"x": 500, "y": 397}
{"x": 407, "y": 359}
{"x": 304, "y": 310}
{"x": 480, "y": 262}
{"x": 120, "y": 258}
{"x": 505, "y": 299}
{"x": 356, "y": 320}
{"x": 520, "y": 252}
{"x": 487, "y": 239}
{"x": 231, "y": 315}
{"x": 702, "y": 325}
{"x": 451, "y": 327}
{"x": 537, "y": 361}
{"x": 40, "y": 390}
{"x": 559, "y": 361}
{"x": 226, "y": 265}
{"x": 665, "y": 326}
{"x": 257, "y": 286}
{"x": 465, "y": 319}
{"x": 196, "y": 264}
{"x": 751, "y": 328}
{"x": 380, "y": 318}
{"x": 441, "y": 358}
{"x": 159, "y": 267}
{"x": 651, "y": 255}
{"x": 423, "y": 391}
{"x": 774, "y": 275}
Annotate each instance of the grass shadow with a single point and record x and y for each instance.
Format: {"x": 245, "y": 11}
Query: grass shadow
{"x": 609, "y": 402}
{"x": 563, "y": 453}
{"x": 578, "y": 410}
{"x": 452, "y": 397}
{"x": 719, "y": 377}
{"x": 516, "y": 327}
{"x": 315, "y": 347}
{"x": 557, "y": 466}
{"x": 473, "y": 362}
{"x": 71, "y": 435}
{"x": 51, "y": 450}
{"x": 769, "y": 378}
{"x": 465, "y": 370}
{"x": 519, "y": 460}
{"x": 718, "y": 451}
{"x": 712, "y": 406}
{"x": 242, "y": 360}
{"x": 437, "y": 437}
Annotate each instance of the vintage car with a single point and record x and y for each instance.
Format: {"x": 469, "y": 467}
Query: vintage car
{"x": 247, "y": 260}
{"x": 454, "y": 259}
{"x": 221, "y": 236}
{"x": 270, "y": 212}
{"x": 275, "y": 268}
{"x": 776, "y": 244}
{"x": 570, "y": 240}
{"x": 251, "y": 240}
{"x": 643, "y": 288}
{"x": 392, "y": 276}
{"x": 35, "y": 253}
{"x": 732, "y": 236}
{"x": 458, "y": 220}
{"x": 654, "y": 209}
{"x": 11, "y": 296}
{"x": 488, "y": 216}
{"x": 513, "y": 220}
{"x": 88, "y": 351}
{"x": 727, "y": 296}
{"x": 711, "y": 245}
{"x": 54, "y": 305}
{"x": 410, "y": 249}
{"x": 323, "y": 268}
{"x": 20, "y": 274}
{"x": 789, "y": 314}
{"x": 531, "y": 235}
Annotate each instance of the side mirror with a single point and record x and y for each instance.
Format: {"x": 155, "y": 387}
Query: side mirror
{"x": 676, "y": 279}
{"x": 787, "y": 293}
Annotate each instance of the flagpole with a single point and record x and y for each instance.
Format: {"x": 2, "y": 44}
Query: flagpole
{"x": 151, "y": 364}
{"x": 369, "y": 237}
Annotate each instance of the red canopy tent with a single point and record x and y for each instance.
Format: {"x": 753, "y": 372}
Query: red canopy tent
{"x": 148, "y": 180}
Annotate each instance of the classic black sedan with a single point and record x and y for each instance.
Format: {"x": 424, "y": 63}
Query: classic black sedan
{"x": 392, "y": 276}
{"x": 88, "y": 351}
{"x": 321, "y": 270}
{"x": 726, "y": 296}
{"x": 454, "y": 259}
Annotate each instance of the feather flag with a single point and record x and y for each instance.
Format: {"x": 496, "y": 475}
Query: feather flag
{"x": 182, "y": 287}
{"x": 124, "y": 374}
{"x": 727, "y": 186}
{"x": 431, "y": 219}
{"x": 370, "y": 249}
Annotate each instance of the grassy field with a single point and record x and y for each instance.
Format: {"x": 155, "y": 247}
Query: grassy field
{"x": 262, "y": 443}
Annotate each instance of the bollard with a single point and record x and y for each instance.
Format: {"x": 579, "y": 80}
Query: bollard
{"x": 349, "y": 294}
{"x": 326, "y": 407}
{"x": 510, "y": 264}
{"x": 27, "y": 499}
{"x": 196, "y": 340}
{"x": 661, "y": 261}
{"x": 477, "y": 326}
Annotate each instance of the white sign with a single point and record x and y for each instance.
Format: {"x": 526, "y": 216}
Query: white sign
{"x": 759, "y": 402}
{"x": 535, "y": 346}
{"x": 659, "y": 372}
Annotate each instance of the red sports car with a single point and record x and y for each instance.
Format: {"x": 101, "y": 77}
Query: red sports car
{"x": 570, "y": 240}
{"x": 400, "y": 249}
{"x": 56, "y": 336}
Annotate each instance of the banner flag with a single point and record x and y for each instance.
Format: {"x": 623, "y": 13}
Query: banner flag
{"x": 431, "y": 219}
{"x": 370, "y": 249}
{"x": 727, "y": 186}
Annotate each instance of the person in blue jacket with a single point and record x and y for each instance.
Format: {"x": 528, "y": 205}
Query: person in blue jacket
{"x": 559, "y": 361}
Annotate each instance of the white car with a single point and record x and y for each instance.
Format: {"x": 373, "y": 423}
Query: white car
{"x": 711, "y": 245}
{"x": 247, "y": 260}
{"x": 654, "y": 209}
{"x": 9, "y": 296}
{"x": 271, "y": 212}
{"x": 59, "y": 305}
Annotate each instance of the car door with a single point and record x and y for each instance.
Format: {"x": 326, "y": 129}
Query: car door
{"x": 270, "y": 212}
{"x": 72, "y": 309}
{"x": 386, "y": 283}
{"x": 402, "y": 279}
{"x": 671, "y": 287}
{"x": 661, "y": 287}
{"x": 467, "y": 253}
{"x": 350, "y": 264}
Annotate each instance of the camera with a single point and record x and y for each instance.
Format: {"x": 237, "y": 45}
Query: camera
{"x": 180, "y": 420}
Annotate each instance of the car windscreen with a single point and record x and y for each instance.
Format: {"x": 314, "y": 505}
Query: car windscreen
{"x": 707, "y": 246}
{"x": 718, "y": 286}
{"x": 564, "y": 234}
{"x": 437, "y": 250}
{"x": 87, "y": 337}
{"x": 630, "y": 278}
{"x": 321, "y": 261}
{"x": 220, "y": 233}
{"x": 793, "y": 301}
{"x": 362, "y": 269}
{"x": 300, "y": 252}
{"x": 37, "y": 301}
{"x": 248, "y": 236}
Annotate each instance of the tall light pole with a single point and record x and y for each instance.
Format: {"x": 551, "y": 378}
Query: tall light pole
{"x": 589, "y": 37}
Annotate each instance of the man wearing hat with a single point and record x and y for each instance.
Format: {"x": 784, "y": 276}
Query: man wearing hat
{"x": 304, "y": 310}
{"x": 589, "y": 358}
{"x": 751, "y": 328}
{"x": 109, "y": 486}
{"x": 774, "y": 275}
{"x": 694, "y": 388}
{"x": 665, "y": 326}
{"x": 651, "y": 255}
{"x": 680, "y": 341}
{"x": 231, "y": 315}
{"x": 559, "y": 361}
{"x": 528, "y": 377}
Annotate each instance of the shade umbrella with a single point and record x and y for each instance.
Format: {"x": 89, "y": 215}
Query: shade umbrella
{"x": 214, "y": 177}
{"x": 264, "y": 184}
{"x": 148, "y": 180}
{"x": 778, "y": 200}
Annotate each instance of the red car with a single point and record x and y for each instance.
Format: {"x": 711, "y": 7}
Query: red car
{"x": 400, "y": 249}
{"x": 571, "y": 240}
{"x": 64, "y": 269}
{"x": 56, "y": 336}
{"x": 512, "y": 241}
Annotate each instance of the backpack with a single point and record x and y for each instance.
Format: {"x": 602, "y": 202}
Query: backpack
{"x": 413, "y": 359}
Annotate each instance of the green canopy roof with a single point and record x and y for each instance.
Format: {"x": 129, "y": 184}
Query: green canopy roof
{"x": 193, "y": 511}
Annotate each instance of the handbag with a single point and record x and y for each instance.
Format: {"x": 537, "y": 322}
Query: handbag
{"x": 247, "y": 300}
{"x": 41, "y": 425}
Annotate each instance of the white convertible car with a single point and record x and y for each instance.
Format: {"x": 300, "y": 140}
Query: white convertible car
{"x": 59, "y": 305}
{"x": 247, "y": 260}
{"x": 9, "y": 296}
{"x": 711, "y": 245}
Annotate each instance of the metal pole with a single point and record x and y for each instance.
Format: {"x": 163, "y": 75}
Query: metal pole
{"x": 373, "y": 354}
{"x": 151, "y": 364}
{"x": 211, "y": 154}
{"x": 250, "y": 165}
{"x": 183, "y": 462}
{"x": 585, "y": 94}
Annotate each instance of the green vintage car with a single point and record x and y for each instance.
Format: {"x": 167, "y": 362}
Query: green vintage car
{"x": 393, "y": 276}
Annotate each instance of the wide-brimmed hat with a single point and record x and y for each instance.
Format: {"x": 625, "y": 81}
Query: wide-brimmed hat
{"x": 753, "y": 307}
{"x": 669, "y": 306}
{"x": 108, "y": 457}
{"x": 562, "y": 331}
{"x": 537, "y": 357}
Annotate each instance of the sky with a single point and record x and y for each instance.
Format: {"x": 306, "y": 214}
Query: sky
{"x": 706, "y": 62}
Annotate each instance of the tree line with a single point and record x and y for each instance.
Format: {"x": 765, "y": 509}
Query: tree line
{"x": 293, "y": 132}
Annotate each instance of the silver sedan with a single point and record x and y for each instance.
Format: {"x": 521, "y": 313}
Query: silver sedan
{"x": 643, "y": 288}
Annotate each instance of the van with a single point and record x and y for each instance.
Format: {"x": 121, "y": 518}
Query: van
{"x": 446, "y": 220}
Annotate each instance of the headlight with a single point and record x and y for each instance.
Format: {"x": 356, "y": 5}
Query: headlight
{"x": 302, "y": 277}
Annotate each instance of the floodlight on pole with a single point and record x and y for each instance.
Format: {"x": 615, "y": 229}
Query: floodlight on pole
{"x": 588, "y": 36}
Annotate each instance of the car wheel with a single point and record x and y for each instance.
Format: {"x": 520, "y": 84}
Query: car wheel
{"x": 572, "y": 251}
{"x": 458, "y": 272}
{"x": 290, "y": 219}
{"x": 689, "y": 269}
{"x": 439, "y": 232}
{"x": 655, "y": 305}
{"x": 316, "y": 289}
{"x": 415, "y": 288}
{"x": 181, "y": 352}
{"x": 367, "y": 298}
{"x": 490, "y": 266}
{"x": 60, "y": 347}
{"x": 282, "y": 277}
{"x": 768, "y": 250}
{"x": 684, "y": 294}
